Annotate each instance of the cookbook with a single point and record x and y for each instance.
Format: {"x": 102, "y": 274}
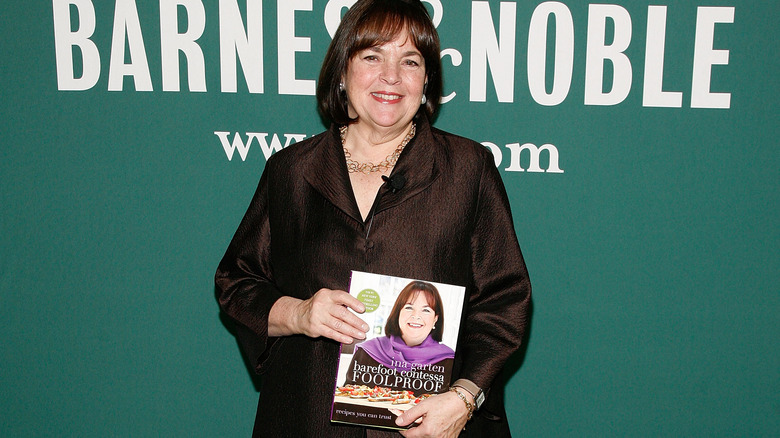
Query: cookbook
{"x": 408, "y": 353}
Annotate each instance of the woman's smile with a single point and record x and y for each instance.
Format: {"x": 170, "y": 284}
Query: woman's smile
{"x": 386, "y": 97}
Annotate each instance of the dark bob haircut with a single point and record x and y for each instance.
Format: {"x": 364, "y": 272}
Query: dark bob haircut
{"x": 408, "y": 295}
{"x": 370, "y": 23}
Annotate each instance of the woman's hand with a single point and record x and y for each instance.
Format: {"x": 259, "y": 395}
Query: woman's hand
{"x": 443, "y": 416}
{"x": 325, "y": 314}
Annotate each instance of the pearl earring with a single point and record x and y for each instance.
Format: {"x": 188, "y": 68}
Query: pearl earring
{"x": 424, "y": 100}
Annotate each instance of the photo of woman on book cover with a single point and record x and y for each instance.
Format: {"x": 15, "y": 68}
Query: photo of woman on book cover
{"x": 413, "y": 335}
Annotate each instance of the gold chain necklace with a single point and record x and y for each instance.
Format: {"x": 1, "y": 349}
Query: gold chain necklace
{"x": 367, "y": 168}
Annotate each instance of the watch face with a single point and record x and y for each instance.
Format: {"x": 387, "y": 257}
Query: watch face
{"x": 479, "y": 399}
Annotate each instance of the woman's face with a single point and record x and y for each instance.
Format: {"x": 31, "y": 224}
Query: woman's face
{"x": 416, "y": 320}
{"x": 384, "y": 84}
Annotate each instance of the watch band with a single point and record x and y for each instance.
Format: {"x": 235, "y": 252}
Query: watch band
{"x": 473, "y": 389}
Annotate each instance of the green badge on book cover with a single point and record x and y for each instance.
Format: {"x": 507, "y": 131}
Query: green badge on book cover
{"x": 370, "y": 298}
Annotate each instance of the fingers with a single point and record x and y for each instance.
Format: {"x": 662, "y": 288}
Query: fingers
{"x": 442, "y": 416}
{"x": 343, "y": 328}
{"x": 327, "y": 314}
{"x": 350, "y": 322}
{"x": 413, "y": 415}
{"x": 348, "y": 300}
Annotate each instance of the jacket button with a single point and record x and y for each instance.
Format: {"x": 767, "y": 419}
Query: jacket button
{"x": 369, "y": 244}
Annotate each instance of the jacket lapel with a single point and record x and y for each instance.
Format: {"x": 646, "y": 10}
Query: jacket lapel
{"x": 326, "y": 171}
{"x": 417, "y": 164}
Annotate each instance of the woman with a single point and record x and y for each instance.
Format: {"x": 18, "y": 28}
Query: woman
{"x": 431, "y": 207}
{"x": 413, "y": 334}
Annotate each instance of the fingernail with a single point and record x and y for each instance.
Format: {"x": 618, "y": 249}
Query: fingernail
{"x": 365, "y": 327}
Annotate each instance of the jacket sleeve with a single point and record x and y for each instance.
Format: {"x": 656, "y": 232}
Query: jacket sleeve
{"x": 497, "y": 312}
{"x": 244, "y": 279}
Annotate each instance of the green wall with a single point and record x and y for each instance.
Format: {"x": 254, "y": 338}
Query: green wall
{"x": 653, "y": 254}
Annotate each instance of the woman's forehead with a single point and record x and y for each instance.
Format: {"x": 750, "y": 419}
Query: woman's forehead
{"x": 402, "y": 42}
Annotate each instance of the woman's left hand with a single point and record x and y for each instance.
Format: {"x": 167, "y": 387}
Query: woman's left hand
{"x": 443, "y": 416}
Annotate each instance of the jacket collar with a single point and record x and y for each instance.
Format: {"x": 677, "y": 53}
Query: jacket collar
{"x": 326, "y": 171}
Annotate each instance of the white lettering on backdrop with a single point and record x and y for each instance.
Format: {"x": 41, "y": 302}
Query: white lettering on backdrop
{"x": 493, "y": 50}
{"x": 126, "y": 23}
{"x": 537, "y": 53}
{"x": 288, "y": 45}
{"x": 172, "y": 42}
{"x": 516, "y": 156}
{"x": 246, "y": 43}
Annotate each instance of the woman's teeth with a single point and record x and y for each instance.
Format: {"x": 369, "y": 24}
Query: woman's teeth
{"x": 387, "y": 96}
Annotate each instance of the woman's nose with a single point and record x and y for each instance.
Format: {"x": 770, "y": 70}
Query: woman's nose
{"x": 390, "y": 73}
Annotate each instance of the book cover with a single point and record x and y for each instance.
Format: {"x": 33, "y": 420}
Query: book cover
{"x": 408, "y": 352}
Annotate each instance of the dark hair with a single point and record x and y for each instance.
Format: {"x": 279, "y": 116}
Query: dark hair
{"x": 370, "y": 23}
{"x": 408, "y": 294}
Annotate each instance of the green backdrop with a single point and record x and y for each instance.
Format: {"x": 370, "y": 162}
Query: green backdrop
{"x": 652, "y": 243}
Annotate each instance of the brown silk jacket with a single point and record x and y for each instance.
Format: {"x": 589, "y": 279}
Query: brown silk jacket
{"x": 449, "y": 223}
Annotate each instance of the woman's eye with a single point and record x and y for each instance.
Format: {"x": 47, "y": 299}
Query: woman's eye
{"x": 411, "y": 62}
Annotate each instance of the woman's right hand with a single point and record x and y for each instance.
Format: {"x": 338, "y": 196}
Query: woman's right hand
{"x": 325, "y": 314}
